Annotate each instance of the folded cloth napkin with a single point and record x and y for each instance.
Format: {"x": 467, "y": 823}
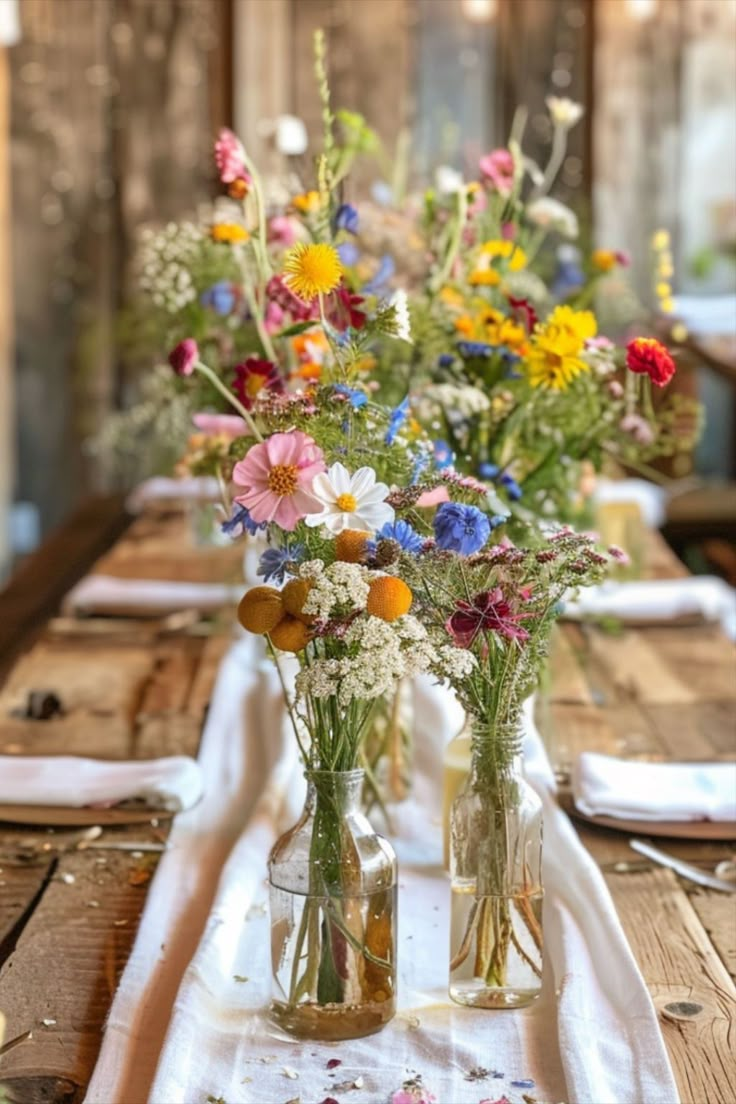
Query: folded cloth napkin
{"x": 147, "y": 597}
{"x": 651, "y": 500}
{"x": 606, "y": 786}
{"x": 659, "y": 600}
{"x": 174, "y": 783}
{"x": 161, "y": 489}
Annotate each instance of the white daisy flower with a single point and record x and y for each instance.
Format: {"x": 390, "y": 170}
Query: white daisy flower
{"x": 350, "y": 501}
{"x": 565, "y": 113}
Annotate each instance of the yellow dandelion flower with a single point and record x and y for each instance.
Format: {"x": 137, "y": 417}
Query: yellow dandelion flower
{"x": 230, "y": 232}
{"x": 484, "y": 277}
{"x": 664, "y": 290}
{"x": 580, "y": 325}
{"x": 604, "y": 259}
{"x": 506, "y": 251}
{"x": 307, "y": 203}
{"x": 312, "y": 270}
{"x": 554, "y": 360}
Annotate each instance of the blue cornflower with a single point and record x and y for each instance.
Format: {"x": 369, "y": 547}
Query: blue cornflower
{"x": 459, "y": 528}
{"x": 382, "y": 193}
{"x": 403, "y": 534}
{"x": 355, "y": 397}
{"x": 398, "y": 416}
{"x": 512, "y": 488}
{"x": 421, "y": 463}
{"x": 346, "y": 218}
{"x": 378, "y": 285}
{"x": 349, "y": 253}
{"x": 487, "y": 470}
{"x": 445, "y": 360}
{"x": 241, "y": 517}
{"x": 474, "y": 348}
{"x": 443, "y": 455}
{"x": 221, "y": 297}
{"x": 272, "y": 564}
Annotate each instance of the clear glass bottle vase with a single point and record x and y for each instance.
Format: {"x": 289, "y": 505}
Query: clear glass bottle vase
{"x": 496, "y": 879}
{"x": 333, "y": 916}
{"x": 388, "y": 749}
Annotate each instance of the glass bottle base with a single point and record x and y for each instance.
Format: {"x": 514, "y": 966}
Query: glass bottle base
{"x": 330, "y": 1023}
{"x": 481, "y": 997}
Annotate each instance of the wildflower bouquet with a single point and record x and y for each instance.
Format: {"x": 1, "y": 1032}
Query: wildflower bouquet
{"x": 509, "y": 370}
{"x": 497, "y": 604}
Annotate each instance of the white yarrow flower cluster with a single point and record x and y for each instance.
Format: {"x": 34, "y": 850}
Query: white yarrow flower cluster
{"x": 336, "y": 590}
{"x": 465, "y": 400}
{"x": 384, "y": 653}
{"x": 400, "y": 303}
{"x": 165, "y": 261}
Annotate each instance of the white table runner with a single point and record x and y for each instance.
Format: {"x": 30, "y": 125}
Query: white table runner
{"x": 593, "y": 1036}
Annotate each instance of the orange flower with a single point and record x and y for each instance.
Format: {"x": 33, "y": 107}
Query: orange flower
{"x": 290, "y": 635}
{"x": 260, "y": 609}
{"x": 350, "y": 545}
{"x": 230, "y": 232}
{"x": 293, "y": 596}
{"x": 389, "y": 598}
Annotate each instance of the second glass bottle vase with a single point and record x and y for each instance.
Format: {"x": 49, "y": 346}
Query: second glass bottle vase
{"x": 496, "y": 878}
{"x": 333, "y": 916}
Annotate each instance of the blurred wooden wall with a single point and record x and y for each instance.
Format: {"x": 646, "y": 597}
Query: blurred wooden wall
{"x": 113, "y": 107}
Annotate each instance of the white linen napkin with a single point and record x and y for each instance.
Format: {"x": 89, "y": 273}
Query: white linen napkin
{"x": 161, "y": 488}
{"x": 659, "y": 600}
{"x": 606, "y": 786}
{"x": 651, "y": 499}
{"x": 173, "y": 783}
{"x": 220, "y": 1042}
{"x": 106, "y": 594}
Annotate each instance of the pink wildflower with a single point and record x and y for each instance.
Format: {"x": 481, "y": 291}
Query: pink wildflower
{"x": 184, "y": 356}
{"x": 497, "y": 169}
{"x": 275, "y": 479}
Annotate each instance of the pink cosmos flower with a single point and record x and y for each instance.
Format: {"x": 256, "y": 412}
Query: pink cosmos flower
{"x": 229, "y": 157}
{"x": 417, "y": 1095}
{"x": 184, "y": 356}
{"x": 229, "y": 425}
{"x": 497, "y": 169}
{"x": 275, "y": 479}
{"x": 283, "y": 230}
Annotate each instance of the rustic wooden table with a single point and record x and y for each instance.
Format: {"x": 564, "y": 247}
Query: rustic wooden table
{"x": 140, "y": 688}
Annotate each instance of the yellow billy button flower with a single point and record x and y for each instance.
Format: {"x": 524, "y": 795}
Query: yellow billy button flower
{"x": 389, "y": 598}
{"x": 290, "y": 635}
{"x": 350, "y": 546}
{"x": 261, "y": 609}
{"x": 230, "y": 232}
{"x": 293, "y": 596}
{"x": 312, "y": 270}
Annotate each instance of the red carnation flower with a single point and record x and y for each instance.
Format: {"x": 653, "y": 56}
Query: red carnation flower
{"x": 252, "y": 377}
{"x": 184, "y": 356}
{"x": 488, "y": 612}
{"x": 647, "y": 356}
{"x": 343, "y": 309}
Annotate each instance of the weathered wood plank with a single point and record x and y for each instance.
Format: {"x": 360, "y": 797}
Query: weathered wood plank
{"x": 680, "y": 963}
{"x": 36, "y": 589}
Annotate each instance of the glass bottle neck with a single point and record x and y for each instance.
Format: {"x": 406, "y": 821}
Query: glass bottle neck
{"x": 339, "y": 789}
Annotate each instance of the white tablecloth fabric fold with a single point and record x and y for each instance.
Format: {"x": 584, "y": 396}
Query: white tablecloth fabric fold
{"x": 606, "y": 786}
{"x": 593, "y": 1036}
{"x": 162, "y": 488}
{"x": 173, "y": 783}
{"x": 659, "y": 600}
{"x": 108, "y": 594}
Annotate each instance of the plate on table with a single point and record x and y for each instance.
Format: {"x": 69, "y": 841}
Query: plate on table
{"x": 675, "y": 829}
{"x": 61, "y": 816}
